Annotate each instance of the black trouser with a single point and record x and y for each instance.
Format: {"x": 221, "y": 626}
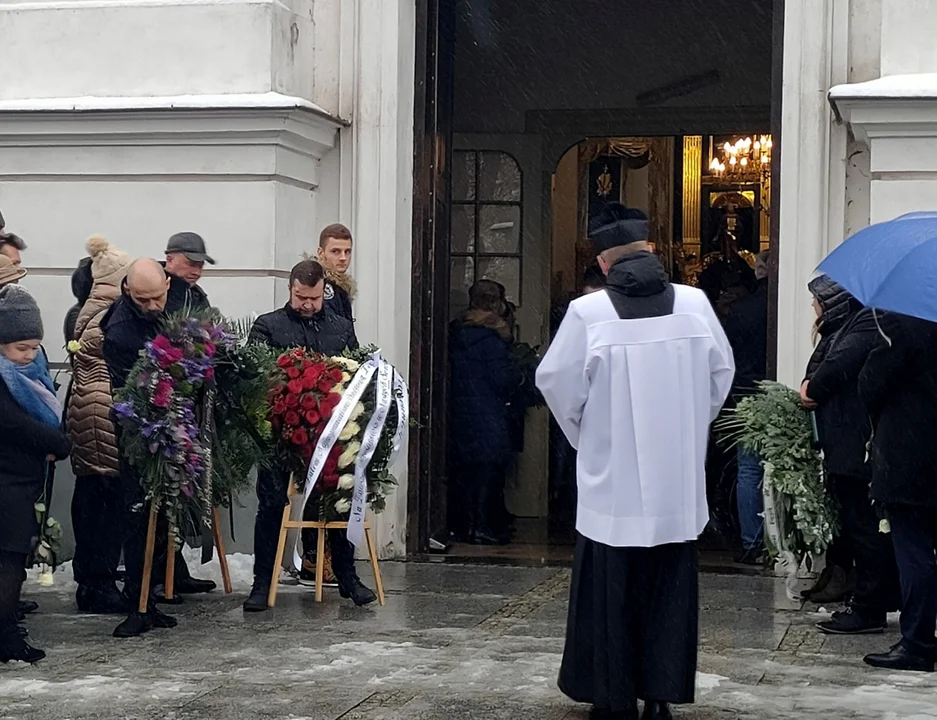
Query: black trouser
{"x": 914, "y": 535}
{"x": 135, "y": 519}
{"x": 97, "y": 519}
{"x": 479, "y": 487}
{"x": 877, "y": 590}
{"x": 271, "y": 499}
{"x": 12, "y": 575}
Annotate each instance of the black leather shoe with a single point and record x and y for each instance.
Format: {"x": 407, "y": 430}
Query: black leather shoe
{"x": 13, "y": 647}
{"x": 159, "y": 619}
{"x": 257, "y": 600}
{"x": 193, "y": 586}
{"x": 134, "y": 626}
{"x": 898, "y": 658}
{"x": 27, "y": 607}
{"x": 356, "y": 591}
{"x": 158, "y": 595}
{"x": 656, "y": 710}
{"x": 102, "y": 600}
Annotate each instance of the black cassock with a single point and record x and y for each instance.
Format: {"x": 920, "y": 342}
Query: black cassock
{"x": 633, "y": 626}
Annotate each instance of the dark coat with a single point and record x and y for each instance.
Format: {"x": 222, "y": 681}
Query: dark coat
{"x": 746, "y": 326}
{"x": 127, "y": 330}
{"x": 898, "y": 385}
{"x": 24, "y": 444}
{"x": 182, "y": 295}
{"x": 338, "y": 301}
{"x": 482, "y": 381}
{"x": 843, "y": 423}
{"x": 325, "y": 333}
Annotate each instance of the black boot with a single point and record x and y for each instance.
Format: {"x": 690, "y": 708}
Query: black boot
{"x": 352, "y": 588}
{"x": 102, "y": 600}
{"x": 854, "y": 621}
{"x": 257, "y": 600}
{"x": 27, "y": 607}
{"x": 13, "y": 646}
{"x": 186, "y": 584}
{"x": 656, "y": 710}
{"x": 135, "y": 625}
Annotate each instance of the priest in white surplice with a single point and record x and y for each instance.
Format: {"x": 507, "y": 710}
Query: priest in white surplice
{"x": 635, "y": 376}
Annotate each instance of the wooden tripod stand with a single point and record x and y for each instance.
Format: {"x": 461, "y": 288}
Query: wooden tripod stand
{"x": 171, "y": 557}
{"x": 322, "y": 527}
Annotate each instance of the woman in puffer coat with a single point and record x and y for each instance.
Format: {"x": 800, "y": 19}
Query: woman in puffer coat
{"x": 96, "y": 503}
{"x": 849, "y": 334}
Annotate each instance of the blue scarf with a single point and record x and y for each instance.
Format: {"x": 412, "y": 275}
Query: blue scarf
{"x": 21, "y": 381}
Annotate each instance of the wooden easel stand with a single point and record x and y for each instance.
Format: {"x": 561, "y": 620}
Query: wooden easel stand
{"x": 171, "y": 557}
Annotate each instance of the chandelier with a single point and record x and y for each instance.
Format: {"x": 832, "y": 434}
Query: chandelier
{"x": 746, "y": 157}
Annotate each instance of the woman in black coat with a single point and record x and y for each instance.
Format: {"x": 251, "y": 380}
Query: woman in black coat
{"x": 482, "y": 381}
{"x": 30, "y": 437}
{"x": 849, "y": 334}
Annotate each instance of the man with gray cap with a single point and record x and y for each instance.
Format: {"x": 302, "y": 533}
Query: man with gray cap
{"x": 185, "y": 258}
{"x": 11, "y": 244}
{"x": 635, "y": 375}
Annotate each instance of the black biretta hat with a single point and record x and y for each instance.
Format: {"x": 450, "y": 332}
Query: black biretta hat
{"x": 617, "y": 225}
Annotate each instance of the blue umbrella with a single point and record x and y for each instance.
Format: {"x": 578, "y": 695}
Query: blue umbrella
{"x": 891, "y": 265}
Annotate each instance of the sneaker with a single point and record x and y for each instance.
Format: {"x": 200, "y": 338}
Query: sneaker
{"x": 307, "y": 576}
{"x": 852, "y": 622}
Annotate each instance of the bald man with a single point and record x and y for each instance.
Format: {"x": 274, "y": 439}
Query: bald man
{"x": 131, "y": 322}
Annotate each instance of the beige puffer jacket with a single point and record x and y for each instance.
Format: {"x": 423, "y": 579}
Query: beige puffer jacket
{"x": 88, "y": 422}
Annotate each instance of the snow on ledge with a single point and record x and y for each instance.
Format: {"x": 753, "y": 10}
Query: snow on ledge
{"x": 235, "y": 101}
{"x": 895, "y": 87}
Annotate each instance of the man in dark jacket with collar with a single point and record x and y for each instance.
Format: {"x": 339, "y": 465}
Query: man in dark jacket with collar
{"x": 305, "y": 323}
{"x": 129, "y": 324}
{"x": 186, "y": 256}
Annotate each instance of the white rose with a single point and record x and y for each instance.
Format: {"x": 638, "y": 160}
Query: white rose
{"x": 345, "y": 377}
{"x": 346, "y": 482}
{"x": 347, "y": 458}
{"x": 347, "y": 363}
{"x": 46, "y": 579}
{"x": 351, "y": 430}
{"x": 357, "y": 411}
{"x": 342, "y": 506}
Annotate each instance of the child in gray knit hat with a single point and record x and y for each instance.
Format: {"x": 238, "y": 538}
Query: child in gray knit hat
{"x": 31, "y": 437}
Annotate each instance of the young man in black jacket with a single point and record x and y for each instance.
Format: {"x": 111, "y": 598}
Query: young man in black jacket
{"x": 304, "y": 322}
{"x": 334, "y": 255}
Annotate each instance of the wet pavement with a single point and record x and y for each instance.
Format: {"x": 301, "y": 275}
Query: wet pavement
{"x": 452, "y": 642}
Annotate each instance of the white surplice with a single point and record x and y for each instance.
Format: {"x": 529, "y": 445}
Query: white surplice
{"x": 636, "y": 399}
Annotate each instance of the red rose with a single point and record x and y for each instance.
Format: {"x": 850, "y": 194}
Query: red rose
{"x": 306, "y": 364}
{"x": 336, "y": 375}
{"x": 331, "y": 401}
{"x": 297, "y": 354}
{"x": 312, "y": 417}
{"x": 299, "y": 437}
{"x": 210, "y": 373}
{"x": 210, "y": 349}
{"x": 292, "y": 373}
{"x": 284, "y": 361}
{"x": 325, "y": 410}
{"x": 329, "y": 480}
{"x": 279, "y": 406}
{"x": 308, "y": 402}
{"x": 309, "y": 382}
{"x": 295, "y": 387}
{"x": 291, "y": 401}
{"x": 331, "y": 462}
{"x": 292, "y": 418}
{"x": 325, "y": 384}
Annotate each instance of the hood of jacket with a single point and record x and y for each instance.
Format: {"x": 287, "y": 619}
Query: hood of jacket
{"x": 836, "y": 304}
{"x": 639, "y": 275}
{"x": 344, "y": 282}
{"x": 475, "y": 325}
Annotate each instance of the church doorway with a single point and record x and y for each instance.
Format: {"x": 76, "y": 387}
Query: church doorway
{"x": 528, "y": 119}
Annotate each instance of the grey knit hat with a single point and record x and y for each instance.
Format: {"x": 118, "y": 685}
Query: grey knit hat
{"x": 19, "y": 315}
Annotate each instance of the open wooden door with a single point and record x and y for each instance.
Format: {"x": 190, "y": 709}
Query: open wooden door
{"x": 427, "y": 493}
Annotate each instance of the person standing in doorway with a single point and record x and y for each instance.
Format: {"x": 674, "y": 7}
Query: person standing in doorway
{"x": 746, "y": 326}
{"x": 334, "y": 255}
{"x": 635, "y": 376}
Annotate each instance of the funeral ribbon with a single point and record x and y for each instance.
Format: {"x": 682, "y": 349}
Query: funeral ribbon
{"x": 389, "y": 385}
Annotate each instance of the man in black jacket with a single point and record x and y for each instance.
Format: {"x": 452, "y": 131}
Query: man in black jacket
{"x": 334, "y": 255}
{"x": 898, "y": 385}
{"x": 305, "y": 323}
{"x": 186, "y": 256}
{"x": 129, "y": 324}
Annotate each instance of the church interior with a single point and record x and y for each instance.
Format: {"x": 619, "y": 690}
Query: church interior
{"x": 558, "y": 108}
